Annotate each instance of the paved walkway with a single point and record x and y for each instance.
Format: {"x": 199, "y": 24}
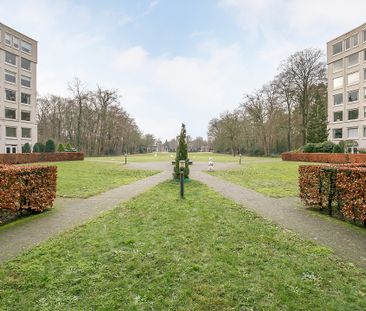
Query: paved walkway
{"x": 68, "y": 214}
{"x": 347, "y": 241}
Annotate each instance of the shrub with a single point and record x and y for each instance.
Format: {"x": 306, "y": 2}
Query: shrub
{"x": 336, "y": 186}
{"x": 36, "y": 148}
{"x": 26, "y": 148}
{"x": 50, "y": 146}
{"x": 27, "y": 188}
{"x": 327, "y": 147}
{"x": 181, "y": 154}
{"x": 60, "y": 148}
{"x": 17, "y": 158}
{"x": 309, "y": 148}
{"x": 362, "y": 150}
{"x": 337, "y": 149}
{"x": 68, "y": 147}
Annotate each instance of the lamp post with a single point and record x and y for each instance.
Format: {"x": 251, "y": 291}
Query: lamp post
{"x": 240, "y": 159}
{"x": 182, "y": 165}
{"x": 125, "y": 157}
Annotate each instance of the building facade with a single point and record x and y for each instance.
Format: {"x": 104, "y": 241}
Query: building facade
{"x": 346, "y": 57}
{"x": 18, "y": 90}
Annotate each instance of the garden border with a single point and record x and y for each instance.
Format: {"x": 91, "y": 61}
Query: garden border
{"x": 19, "y": 158}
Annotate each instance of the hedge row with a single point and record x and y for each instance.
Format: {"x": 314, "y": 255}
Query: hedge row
{"x": 324, "y": 157}
{"x": 27, "y": 188}
{"x": 335, "y": 187}
{"x": 18, "y": 158}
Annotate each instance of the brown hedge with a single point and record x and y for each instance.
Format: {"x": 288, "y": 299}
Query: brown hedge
{"x": 340, "y": 187}
{"x": 324, "y": 157}
{"x": 27, "y": 188}
{"x": 18, "y": 158}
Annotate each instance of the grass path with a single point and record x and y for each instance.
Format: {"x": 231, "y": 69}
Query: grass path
{"x": 158, "y": 252}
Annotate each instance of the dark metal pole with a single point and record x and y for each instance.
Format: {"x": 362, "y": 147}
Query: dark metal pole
{"x": 125, "y": 158}
{"x": 240, "y": 159}
{"x": 182, "y": 183}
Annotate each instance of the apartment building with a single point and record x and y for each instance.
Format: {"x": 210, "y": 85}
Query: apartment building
{"x": 18, "y": 90}
{"x": 346, "y": 57}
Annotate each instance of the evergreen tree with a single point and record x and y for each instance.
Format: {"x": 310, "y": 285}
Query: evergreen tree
{"x": 61, "y": 148}
{"x": 182, "y": 154}
{"x": 317, "y": 126}
{"x": 50, "y": 146}
{"x": 26, "y": 148}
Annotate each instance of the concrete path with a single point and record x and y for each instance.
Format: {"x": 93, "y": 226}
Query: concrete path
{"x": 347, "y": 241}
{"x": 69, "y": 213}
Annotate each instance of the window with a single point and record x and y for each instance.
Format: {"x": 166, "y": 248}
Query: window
{"x": 10, "y": 95}
{"x": 353, "y": 78}
{"x": 364, "y": 112}
{"x": 26, "y": 47}
{"x": 25, "y": 98}
{"x": 337, "y": 48}
{"x": 338, "y": 99}
{"x": 338, "y": 116}
{"x": 26, "y": 132}
{"x": 10, "y": 148}
{"x": 352, "y": 132}
{"x": 10, "y": 58}
{"x": 338, "y": 65}
{"x": 337, "y": 133}
{"x": 10, "y": 76}
{"x": 348, "y": 43}
{"x": 352, "y": 96}
{"x": 354, "y": 40}
{"x": 8, "y": 38}
{"x": 25, "y": 81}
{"x": 364, "y": 131}
{"x": 337, "y": 83}
{"x": 364, "y": 92}
{"x": 352, "y": 59}
{"x": 11, "y": 131}
{"x": 364, "y": 55}
{"x": 364, "y": 73}
{"x": 364, "y": 36}
{"x": 10, "y": 113}
{"x": 15, "y": 43}
{"x": 353, "y": 114}
{"x": 25, "y": 64}
{"x": 25, "y": 116}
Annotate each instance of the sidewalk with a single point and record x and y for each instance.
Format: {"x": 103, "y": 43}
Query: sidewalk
{"x": 67, "y": 214}
{"x": 347, "y": 241}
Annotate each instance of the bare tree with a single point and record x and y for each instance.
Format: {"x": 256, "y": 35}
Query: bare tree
{"x": 306, "y": 70}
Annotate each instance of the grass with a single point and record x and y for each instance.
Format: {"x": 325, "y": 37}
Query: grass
{"x": 82, "y": 179}
{"x": 167, "y": 157}
{"x": 276, "y": 179}
{"x": 158, "y": 252}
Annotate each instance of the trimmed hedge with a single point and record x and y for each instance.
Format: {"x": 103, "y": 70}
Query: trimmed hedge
{"x": 18, "y": 158}
{"x": 335, "y": 187}
{"x": 324, "y": 157}
{"x": 27, "y": 188}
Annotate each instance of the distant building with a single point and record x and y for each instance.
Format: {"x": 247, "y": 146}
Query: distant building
{"x": 18, "y": 90}
{"x": 346, "y": 56}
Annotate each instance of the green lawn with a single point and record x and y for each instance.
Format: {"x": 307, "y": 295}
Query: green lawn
{"x": 158, "y": 252}
{"x": 82, "y": 179}
{"x": 167, "y": 157}
{"x": 275, "y": 179}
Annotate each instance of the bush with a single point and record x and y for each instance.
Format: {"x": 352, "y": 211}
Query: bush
{"x": 26, "y": 148}
{"x": 362, "y": 150}
{"x": 342, "y": 185}
{"x": 17, "y": 158}
{"x": 27, "y": 188}
{"x": 60, "y": 148}
{"x": 327, "y": 147}
{"x": 50, "y": 146}
{"x": 337, "y": 149}
{"x": 36, "y": 148}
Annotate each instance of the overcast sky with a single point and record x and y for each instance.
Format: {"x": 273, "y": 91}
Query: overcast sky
{"x": 174, "y": 61}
